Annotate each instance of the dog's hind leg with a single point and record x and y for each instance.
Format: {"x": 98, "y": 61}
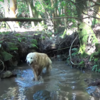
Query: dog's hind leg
{"x": 48, "y": 68}
{"x": 39, "y": 73}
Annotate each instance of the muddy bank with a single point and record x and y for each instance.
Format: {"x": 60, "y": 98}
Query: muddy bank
{"x": 62, "y": 83}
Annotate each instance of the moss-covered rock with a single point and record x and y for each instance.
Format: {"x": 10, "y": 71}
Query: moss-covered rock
{"x": 87, "y": 39}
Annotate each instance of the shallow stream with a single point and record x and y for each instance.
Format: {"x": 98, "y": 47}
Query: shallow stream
{"x": 63, "y": 83}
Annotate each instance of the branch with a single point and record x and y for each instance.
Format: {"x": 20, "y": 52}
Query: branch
{"x": 40, "y": 19}
{"x": 32, "y": 19}
{"x": 70, "y": 53}
{"x": 20, "y": 19}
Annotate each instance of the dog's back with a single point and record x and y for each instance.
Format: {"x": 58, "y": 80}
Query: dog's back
{"x": 43, "y": 59}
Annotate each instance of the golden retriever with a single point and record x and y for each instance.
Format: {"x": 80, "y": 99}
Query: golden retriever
{"x": 38, "y": 61}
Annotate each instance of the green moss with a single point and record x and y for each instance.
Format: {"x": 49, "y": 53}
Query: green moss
{"x": 82, "y": 49}
{"x": 84, "y": 32}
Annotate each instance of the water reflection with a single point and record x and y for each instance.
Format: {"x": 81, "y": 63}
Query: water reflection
{"x": 62, "y": 82}
{"x": 26, "y": 79}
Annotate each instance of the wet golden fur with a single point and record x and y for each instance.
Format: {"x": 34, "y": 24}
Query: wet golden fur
{"x": 40, "y": 60}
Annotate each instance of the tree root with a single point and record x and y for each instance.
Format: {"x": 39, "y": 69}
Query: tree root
{"x": 3, "y": 66}
{"x": 70, "y": 52}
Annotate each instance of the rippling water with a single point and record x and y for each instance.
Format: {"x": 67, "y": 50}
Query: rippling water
{"x": 63, "y": 81}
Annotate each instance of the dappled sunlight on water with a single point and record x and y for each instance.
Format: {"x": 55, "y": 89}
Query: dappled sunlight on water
{"x": 26, "y": 79}
{"x": 63, "y": 82}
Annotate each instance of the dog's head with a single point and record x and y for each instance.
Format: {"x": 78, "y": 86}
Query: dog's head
{"x": 30, "y": 58}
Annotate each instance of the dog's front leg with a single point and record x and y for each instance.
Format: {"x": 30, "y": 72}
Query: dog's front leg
{"x": 35, "y": 74}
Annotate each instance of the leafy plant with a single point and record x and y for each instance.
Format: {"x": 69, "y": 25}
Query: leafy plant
{"x": 94, "y": 68}
{"x": 33, "y": 45}
{"x": 82, "y": 62}
{"x": 12, "y": 46}
{"x": 96, "y": 60}
{"x": 99, "y": 70}
{"x": 75, "y": 49}
{"x": 75, "y": 53}
{"x": 34, "y": 41}
{"x": 4, "y": 32}
{"x": 43, "y": 37}
{"x": 19, "y": 39}
{"x": 17, "y": 34}
{"x": 6, "y": 56}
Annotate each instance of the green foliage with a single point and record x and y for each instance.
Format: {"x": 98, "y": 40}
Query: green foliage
{"x": 12, "y": 46}
{"x": 3, "y": 24}
{"x": 95, "y": 21}
{"x": 63, "y": 3}
{"x": 43, "y": 37}
{"x": 64, "y": 33}
{"x": 74, "y": 49}
{"x": 62, "y": 15}
{"x": 96, "y": 66}
{"x": 4, "y": 33}
{"x": 1, "y": 42}
{"x": 19, "y": 39}
{"x": 6, "y": 56}
{"x": 99, "y": 70}
{"x": 1, "y": 0}
{"x": 96, "y": 60}
{"x": 75, "y": 53}
{"x": 49, "y": 34}
{"x": 40, "y": 7}
{"x": 23, "y": 38}
{"x": 81, "y": 63}
{"x": 68, "y": 60}
{"x": 22, "y": 8}
{"x": 34, "y": 41}
{"x": 33, "y": 45}
{"x": 17, "y": 34}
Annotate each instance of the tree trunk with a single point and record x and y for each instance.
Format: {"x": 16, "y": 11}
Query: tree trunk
{"x": 31, "y": 12}
{"x": 13, "y": 8}
{"x": 53, "y": 15}
{"x": 65, "y": 11}
{"x": 86, "y": 35}
{"x": 12, "y": 13}
{"x": 6, "y": 8}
